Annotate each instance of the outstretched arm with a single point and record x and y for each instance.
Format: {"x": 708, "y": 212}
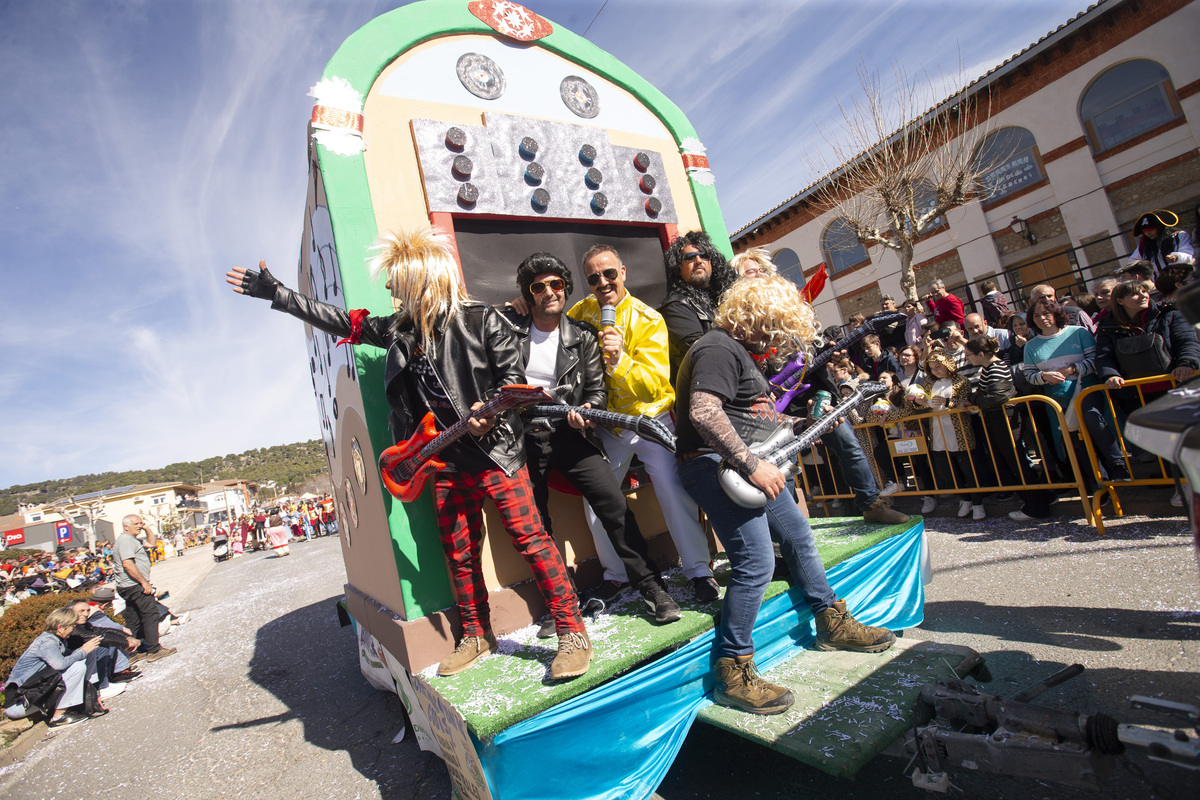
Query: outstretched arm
{"x": 355, "y": 325}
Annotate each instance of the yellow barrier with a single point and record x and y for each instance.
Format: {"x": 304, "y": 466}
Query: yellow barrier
{"x": 1105, "y": 486}
{"x": 913, "y": 447}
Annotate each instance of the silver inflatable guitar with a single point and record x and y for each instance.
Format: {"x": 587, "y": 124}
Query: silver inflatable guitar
{"x": 646, "y": 427}
{"x": 783, "y": 447}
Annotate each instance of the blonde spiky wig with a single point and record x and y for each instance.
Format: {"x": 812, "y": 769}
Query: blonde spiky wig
{"x": 769, "y": 311}
{"x": 760, "y": 255}
{"x": 423, "y": 274}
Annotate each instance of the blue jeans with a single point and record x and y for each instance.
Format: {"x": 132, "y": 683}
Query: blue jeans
{"x": 747, "y": 534}
{"x": 856, "y": 472}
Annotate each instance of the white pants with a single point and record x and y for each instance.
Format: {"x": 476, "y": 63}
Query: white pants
{"x": 73, "y": 677}
{"x": 679, "y": 510}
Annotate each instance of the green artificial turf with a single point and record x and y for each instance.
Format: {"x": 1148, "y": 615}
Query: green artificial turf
{"x": 848, "y": 706}
{"x": 514, "y": 684}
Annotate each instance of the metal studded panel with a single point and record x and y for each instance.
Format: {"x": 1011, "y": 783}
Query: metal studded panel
{"x": 524, "y": 167}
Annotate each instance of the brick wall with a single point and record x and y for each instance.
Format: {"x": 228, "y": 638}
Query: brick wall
{"x": 948, "y": 267}
{"x": 865, "y": 301}
{"x": 1171, "y": 184}
{"x": 1099, "y": 250}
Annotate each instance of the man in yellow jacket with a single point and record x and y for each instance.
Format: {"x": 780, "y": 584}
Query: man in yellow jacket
{"x": 637, "y": 373}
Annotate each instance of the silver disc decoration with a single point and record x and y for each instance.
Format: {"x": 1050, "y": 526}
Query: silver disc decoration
{"x": 480, "y": 75}
{"x": 579, "y": 96}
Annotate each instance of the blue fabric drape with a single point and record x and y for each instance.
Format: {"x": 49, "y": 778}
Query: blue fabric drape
{"x": 619, "y": 739}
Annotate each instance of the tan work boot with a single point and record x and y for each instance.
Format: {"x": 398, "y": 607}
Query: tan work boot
{"x": 740, "y": 686}
{"x": 838, "y": 630}
{"x": 881, "y": 513}
{"x": 469, "y": 649}
{"x": 574, "y": 656}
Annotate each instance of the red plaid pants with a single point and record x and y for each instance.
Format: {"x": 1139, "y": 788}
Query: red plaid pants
{"x": 459, "y": 497}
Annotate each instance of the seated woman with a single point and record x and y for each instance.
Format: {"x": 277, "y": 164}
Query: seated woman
{"x": 950, "y": 436}
{"x": 48, "y": 679}
{"x": 1059, "y": 364}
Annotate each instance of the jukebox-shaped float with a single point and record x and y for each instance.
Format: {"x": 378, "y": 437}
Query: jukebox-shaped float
{"x": 513, "y": 135}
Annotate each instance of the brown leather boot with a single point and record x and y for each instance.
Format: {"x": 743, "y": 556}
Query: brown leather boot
{"x": 574, "y": 656}
{"x": 838, "y": 630}
{"x": 740, "y": 686}
{"x": 881, "y": 513}
{"x": 469, "y": 649}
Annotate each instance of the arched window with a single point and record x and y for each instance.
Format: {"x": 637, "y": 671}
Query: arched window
{"x": 1008, "y": 160}
{"x": 1127, "y": 100}
{"x": 788, "y": 264}
{"x": 841, "y": 247}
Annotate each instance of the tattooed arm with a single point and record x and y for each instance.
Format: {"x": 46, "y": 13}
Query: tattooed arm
{"x": 708, "y": 415}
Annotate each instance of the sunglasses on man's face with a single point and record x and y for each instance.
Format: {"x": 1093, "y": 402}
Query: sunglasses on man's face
{"x": 555, "y": 284}
{"x": 693, "y": 257}
{"x": 609, "y": 274}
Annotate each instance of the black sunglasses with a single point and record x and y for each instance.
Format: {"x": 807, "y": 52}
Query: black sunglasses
{"x": 694, "y": 257}
{"x": 537, "y": 287}
{"x": 609, "y": 274}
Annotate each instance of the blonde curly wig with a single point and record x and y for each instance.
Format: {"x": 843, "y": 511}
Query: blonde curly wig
{"x": 768, "y": 312}
{"x": 422, "y": 274}
{"x": 758, "y": 255}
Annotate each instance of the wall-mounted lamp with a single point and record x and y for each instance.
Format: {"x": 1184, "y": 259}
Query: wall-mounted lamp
{"x": 1022, "y": 227}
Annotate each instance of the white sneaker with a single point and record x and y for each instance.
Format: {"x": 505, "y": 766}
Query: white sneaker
{"x": 182, "y": 618}
{"x": 929, "y": 505}
{"x": 835, "y": 503}
{"x": 1021, "y": 516}
{"x": 889, "y": 490}
{"x": 977, "y": 512}
{"x": 1177, "y": 500}
{"x": 964, "y": 507}
{"x": 112, "y": 690}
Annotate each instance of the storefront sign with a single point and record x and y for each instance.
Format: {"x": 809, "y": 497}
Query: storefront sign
{"x": 14, "y": 537}
{"x": 62, "y": 531}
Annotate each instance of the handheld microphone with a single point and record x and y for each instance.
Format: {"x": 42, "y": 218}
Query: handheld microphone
{"x": 608, "y": 317}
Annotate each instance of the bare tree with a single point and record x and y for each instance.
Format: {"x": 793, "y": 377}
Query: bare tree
{"x": 902, "y": 160}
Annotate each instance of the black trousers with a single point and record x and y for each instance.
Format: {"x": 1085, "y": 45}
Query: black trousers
{"x": 141, "y": 616}
{"x": 583, "y": 466}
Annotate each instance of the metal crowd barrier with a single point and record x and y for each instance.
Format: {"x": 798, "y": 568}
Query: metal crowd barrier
{"x": 1130, "y": 397}
{"x": 911, "y": 456}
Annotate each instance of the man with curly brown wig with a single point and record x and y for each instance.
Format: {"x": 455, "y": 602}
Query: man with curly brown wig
{"x": 723, "y": 407}
{"x": 697, "y": 276}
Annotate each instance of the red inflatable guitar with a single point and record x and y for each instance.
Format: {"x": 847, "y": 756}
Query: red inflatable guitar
{"x": 406, "y": 467}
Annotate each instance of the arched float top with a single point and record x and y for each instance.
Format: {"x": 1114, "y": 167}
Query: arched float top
{"x": 367, "y": 51}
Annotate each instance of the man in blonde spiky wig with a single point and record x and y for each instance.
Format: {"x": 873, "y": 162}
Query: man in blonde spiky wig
{"x": 447, "y": 355}
{"x": 724, "y": 408}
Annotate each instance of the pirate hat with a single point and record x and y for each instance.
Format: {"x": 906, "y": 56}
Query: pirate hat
{"x": 1159, "y": 218}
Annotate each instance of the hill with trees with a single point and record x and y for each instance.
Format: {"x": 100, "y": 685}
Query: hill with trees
{"x": 291, "y": 466}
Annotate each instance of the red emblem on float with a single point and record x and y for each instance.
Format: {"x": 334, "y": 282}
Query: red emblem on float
{"x": 695, "y": 161}
{"x": 513, "y": 20}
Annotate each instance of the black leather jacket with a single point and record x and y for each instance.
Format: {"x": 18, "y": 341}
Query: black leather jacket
{"x": 473, "y": 355}
{"x": 686, "y": 322}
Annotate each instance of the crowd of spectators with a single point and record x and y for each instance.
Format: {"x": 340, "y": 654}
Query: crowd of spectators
{"x": 1125, "y": 328}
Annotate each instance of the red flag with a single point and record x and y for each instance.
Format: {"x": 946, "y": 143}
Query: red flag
{"x": 815, "y": 284}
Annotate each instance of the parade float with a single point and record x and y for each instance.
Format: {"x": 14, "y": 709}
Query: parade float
{"x": 515, "y": 135}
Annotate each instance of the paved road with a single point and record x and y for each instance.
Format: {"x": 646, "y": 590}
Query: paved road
{"x": 264, "y": 698}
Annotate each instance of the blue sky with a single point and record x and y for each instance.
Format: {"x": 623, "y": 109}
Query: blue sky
{"x": 150, "y": 145}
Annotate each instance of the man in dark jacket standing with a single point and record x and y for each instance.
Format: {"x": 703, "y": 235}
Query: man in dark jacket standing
{"x": 697, "y": 276}
{"x": 562, "y": 352}
{"x": 448, "y": 354}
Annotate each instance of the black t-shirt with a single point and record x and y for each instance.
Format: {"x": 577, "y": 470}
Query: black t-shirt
{"x": 463, "y": 455}
{"x": 718, "y": 364}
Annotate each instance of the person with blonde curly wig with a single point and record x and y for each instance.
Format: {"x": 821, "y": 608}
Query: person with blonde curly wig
{"x": 724, "y": 407}
{"x": 446, "y": 355}
{"x": 753, "y": 263}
